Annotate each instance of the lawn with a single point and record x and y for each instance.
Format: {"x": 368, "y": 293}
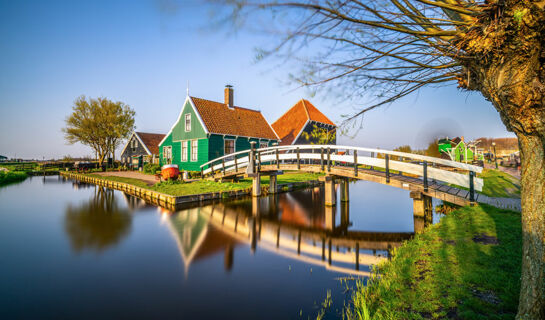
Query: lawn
{"x": 467, "y": 266}
{"x": 11, "y": 177}
{"x": 500, "y": 184}
{"x": 206, "y": 186}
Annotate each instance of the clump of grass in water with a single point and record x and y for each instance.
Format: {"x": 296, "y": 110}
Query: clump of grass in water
{"x": 325, "y": 305}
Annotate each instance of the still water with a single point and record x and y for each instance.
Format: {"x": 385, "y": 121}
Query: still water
{"x": 73, "y": 250}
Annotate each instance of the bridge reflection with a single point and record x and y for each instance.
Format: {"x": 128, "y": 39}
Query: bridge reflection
{"x": 295, "y": 225}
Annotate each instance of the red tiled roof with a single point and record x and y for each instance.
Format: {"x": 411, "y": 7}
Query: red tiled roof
{"x": 151, "y": 140}
{"x": 292, "y": 122}
{"x": 219, "y": 118}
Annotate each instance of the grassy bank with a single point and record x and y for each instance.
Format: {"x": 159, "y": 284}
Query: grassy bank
{"x": 467, "y": 266}
{"x": 11, "y": 177}
{"x": 500, "y": 184}
{"x": 206, "y": 186}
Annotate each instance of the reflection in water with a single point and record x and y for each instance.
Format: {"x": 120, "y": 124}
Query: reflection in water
{"x": 295, "y": 225}
{"x": 197, "y": 239}
{"x": 98, "y": 223}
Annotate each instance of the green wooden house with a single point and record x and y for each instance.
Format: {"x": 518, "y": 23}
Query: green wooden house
{"x": 207, "y": 129}
{"x": 459, "y": 150}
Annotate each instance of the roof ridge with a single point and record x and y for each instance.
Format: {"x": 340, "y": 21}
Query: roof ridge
{"x": 237, "y": 107}
{"x": 305, "y": 107}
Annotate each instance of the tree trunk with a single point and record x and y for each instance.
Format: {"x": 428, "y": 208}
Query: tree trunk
{"x": 532, "y": 293}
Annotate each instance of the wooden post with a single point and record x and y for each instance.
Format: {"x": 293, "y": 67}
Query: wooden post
{"x": 256, "y": 185}
{"x": 329, "y": 217}
{"x": 471, "y": 186}
{"x": 330, "y": 193}
{"x": 236, "y": 164}
{"x": 223, "y": 165}
{"x": 356, "y": 163}
{"x": 299, "y": 242}
{"x": 323, "y": 249}
{"x": 298, "y": 159}
{"x": 344, "y": 190}
{"x": 322, "y": 159}
{"x": 329, "y": 259}
{"x": 357, "y": 255}
{"x": 277, "y": 160}
{"x": 259, "y": 161}
{"x": 328, "y": 159}
{"x": 202, "y": 173}
{"x": 425, "y": 175}
{"x": 387, "y": 167}
{"x": 273, "y": 184}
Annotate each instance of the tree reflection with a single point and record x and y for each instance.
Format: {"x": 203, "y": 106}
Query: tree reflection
{"x": 97, "y": 224}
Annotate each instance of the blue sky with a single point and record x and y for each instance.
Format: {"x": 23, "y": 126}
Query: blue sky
{"x": 145, "y": 52}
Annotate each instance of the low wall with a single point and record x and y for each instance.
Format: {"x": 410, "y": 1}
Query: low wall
{"x": 170, "y": 202}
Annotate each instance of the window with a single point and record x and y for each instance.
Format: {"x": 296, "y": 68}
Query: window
{"x": 167, "y": 154}
{"x": 263, "y": 145}
{"x": 194, "y": 150}
{"x": 229, "y": 146}
{"x": 188, "y": 122}
{"x": 184, "y": 150}
{"x": 134, "y": 144}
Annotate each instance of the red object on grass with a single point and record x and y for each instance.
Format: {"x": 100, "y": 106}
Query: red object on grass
{"x": 170, "y": 171}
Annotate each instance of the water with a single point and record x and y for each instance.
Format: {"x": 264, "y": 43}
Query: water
{"x": 72, "y": 250}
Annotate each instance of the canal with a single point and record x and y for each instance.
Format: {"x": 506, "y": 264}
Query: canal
{"x": 74, "y": 250}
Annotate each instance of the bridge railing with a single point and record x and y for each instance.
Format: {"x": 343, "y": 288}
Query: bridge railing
{"x": 358, "y": 158}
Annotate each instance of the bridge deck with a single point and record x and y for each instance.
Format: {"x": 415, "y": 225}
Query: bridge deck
{"x": 436, "y": 190}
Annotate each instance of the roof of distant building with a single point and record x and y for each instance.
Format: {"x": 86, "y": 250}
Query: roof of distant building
{"x": 291, "y": 123}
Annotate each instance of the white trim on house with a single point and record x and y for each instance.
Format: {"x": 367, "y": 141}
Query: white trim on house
{"x": 300, "y": 132}
{"x": 191, "y": 150}
{"x": 185, "y": 122}
{"x": 182, "y": 153}
{"x": 234, "y": 145}
{"x": 180, "y": 118}
{"x": 139, "y": 139}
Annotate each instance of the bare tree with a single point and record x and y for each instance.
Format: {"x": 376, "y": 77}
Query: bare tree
{"x": 495, "y": 47}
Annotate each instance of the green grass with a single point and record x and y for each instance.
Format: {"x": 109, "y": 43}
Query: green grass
{"x": 444, "y": 273}
{"x": 206, "y": 186}
{"x": 11, "y": 177}
{"x": 500, "y": 184}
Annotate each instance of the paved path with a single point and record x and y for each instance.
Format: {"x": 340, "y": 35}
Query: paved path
{"x": 512, "y": 171}
{"x": 147, "y": 178}
{"x": 502, "y": 203}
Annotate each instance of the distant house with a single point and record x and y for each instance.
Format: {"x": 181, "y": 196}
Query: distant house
{"x": 3, "y": 159}
{"x": 458, "y": 149}
{"x": 207, "y": 129}
{"x": 142, "y": 147}
{"x": 300, "y": 118}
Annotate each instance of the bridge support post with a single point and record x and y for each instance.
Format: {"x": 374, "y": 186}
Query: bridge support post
{"x": 422, "y": 211}
{"x": 344, "y": 190}
{"x": 329, "y": 188}
{"x": 256, "y": 185}
{"x": 273, "y": 184}
{"x": 330, "y": 218}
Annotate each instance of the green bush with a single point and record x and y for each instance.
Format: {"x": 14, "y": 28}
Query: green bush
{"x": 151, "y": 168}
{"x": 11, "y": 176}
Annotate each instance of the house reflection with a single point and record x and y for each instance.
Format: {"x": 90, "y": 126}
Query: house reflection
{"x": 98, "y": 223}
{"x": 295, "y": 225}
{"x": 197, "y": 239}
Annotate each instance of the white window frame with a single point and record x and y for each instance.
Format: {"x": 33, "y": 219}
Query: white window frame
{"x": 165, "y": 148}
{"x": 187, "y": 122}
{"x": 234, "y": 146}
{"x": 183, "y": 155}
{"x": 263, "y": 144}
{"x": 194, "y": 150}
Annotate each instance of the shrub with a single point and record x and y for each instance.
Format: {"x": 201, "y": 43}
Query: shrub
{"x": 151, "y": 168}
{"x": 10, "y": 176}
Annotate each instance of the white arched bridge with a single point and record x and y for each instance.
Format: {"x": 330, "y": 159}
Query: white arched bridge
{"x": 426, "y": 177}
